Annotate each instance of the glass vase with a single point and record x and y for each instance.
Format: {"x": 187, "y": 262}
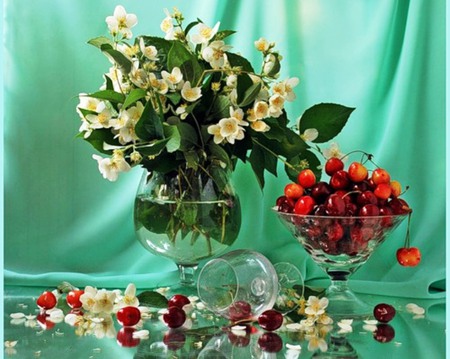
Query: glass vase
{"x": 187, "y": 217}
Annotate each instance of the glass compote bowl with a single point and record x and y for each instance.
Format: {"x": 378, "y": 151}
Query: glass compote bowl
{"x": 340, "y": 245}
{"x": 186, "y": 219}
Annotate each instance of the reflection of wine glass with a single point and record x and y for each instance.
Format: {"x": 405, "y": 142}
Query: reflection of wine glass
{"x": 238, "y": 285}
{"x": 340, "y": 245}
{"x": 338, "y": 348}
{"x": 290, "y": 281}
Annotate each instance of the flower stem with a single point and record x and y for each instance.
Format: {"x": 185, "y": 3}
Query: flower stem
{"x": 286, "y": 163}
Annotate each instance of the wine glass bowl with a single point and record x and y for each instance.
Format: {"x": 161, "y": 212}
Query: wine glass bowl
{"x": 341, "y": 245}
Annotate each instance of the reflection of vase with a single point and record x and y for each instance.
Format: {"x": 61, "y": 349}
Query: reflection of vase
{"x": 184, "y": 216}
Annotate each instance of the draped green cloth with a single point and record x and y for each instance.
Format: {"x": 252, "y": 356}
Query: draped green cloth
{"x": 63, "y": 221}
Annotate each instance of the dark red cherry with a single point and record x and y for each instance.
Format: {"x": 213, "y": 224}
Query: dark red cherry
{"x": 174, "y": 317}
{"x": 270, "y": 320}
{"x": 384, "y": 312}
{"x": 335, "y": 205}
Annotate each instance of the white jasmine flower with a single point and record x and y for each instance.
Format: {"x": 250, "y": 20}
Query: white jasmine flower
{"x": 104, "y": 326}
{"x": 118, "y": 80}
{"x": 102, "y": 118}
{"x": 310, "y": 134}
{"x": 129, "y": 298}
{"x": 260, "y": 126}
{"x": 150, "y": 52}
{"x": 214, "y": 53}
{"x": 415, "y": 309}
{"x": 289, "y": 85}
{"x": 227, "y": 129}
{"x": 324, "y": 319}
{"x": 73, "y": 319}
{"x": 139, "y": 77}
{"x": 126, "y": 123}
{"x": 205, "y": 33}
{"x": 104, "y": 301}
{"x": 181, "y": 111}
{"x": 88, "y": 298}
{"x": 294, "y": 326}
{"x": 262, "y": 44}
{"x": 87, "y": 103}
{"x": 332, "y": 151}
{"x": 189, "y": 93}
{"x": 316, "y": 306}
{"x": 111, "y": 167}
{"x": 121, "y": 22}
{"x": 260, "y": 110}
{"x": 276, "y": 103}
{"x": 167, "y": 26}
{"x": 231, "y": 81}
{"x": 238, "y": 115}
{"x": 173, "y": 78}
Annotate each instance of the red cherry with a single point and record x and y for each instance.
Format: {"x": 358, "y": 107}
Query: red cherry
{"x": 270, "y": 342}
{"x": 240, "y": 310}
{"x": 357, "y": 172}
{"x": 409, "y": 257}
{"x": 306, "y": 178}
{"x": 384, "y": 333}
{"x": 175, "y": 317}
{"x": 383, "y": 190}
{"x": 304, "y": 205}
{"x": 333, "y": 165}
{"x": 178, "y": 300}
{"x": 293, "y": 190}
{"x": 125, "y": 337}
{"x": 380, "y": 175}
{"x": 366, "y": 197}
{"x": 399, "y": 206}
{"x": 334, "y": 232}
{"x": 320, "y": 191}
{"x": 340, "y": 180}
{"x": 128, "y": 316}
{"x": 335, "y": 205}
{"x": 47, "y": 300}
{"x": 73, "y": 298}
{"x": 270, "y": 320}
{"x": 396, "y": 188}
{"x": 369, "y": 210}
{"x": 384, "y": 312}
{"x": 174, "y": 339}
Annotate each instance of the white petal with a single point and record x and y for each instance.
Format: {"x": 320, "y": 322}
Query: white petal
{"x": 141, "y": 334}
{"x": 17, "y": 315}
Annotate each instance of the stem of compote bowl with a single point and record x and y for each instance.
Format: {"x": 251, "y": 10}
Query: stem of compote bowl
{"x": 343, "y": 303}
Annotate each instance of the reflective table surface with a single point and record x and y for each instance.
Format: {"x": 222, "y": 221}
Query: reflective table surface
{"x": 408, "y": 335}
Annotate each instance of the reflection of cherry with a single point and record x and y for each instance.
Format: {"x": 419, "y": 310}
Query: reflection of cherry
{"x": 125, "y": 337}
{"x": 240, "y": 310}
{"x": 174, "y": 339}
{"x": 270, "y": 342}
{"x": 43, "y": 321}
{"x": 384, "y": 333}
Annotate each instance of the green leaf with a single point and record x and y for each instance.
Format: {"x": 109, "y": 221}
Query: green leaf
{"x": 108, "y": 95}
{"x": 244, "y": 83}
{"x": 149, "y": 126}
{"x": 180, "y": 56}
{"x": 190, "y": 26}
{"x": 100, "y": 136}
{"x": 221, "y": 107}
{"x": 239, "y": 61}
{"x": 219, "y": 153}
{"x": 99, "y": 41}
{"x": 192, "y": 159}
{"x": 220, "y": 176}
{"x": 174, "y": 97}
{"x": 249, "y": 95}
{"x": 154, "y": 148}
{"x": 134, "y": 96}
{"x": 152, "y": 299}
{"x": 188, "y": 135}
{"x": 171, "y": 132}
{"x": 256, "y": 160}
{"x": 222, "y": 34}
{"x": 123, "y": 62}
{"x": 162, "y": 45}
{"x": 327, "y": 118}
{"x": 109, "y": 83}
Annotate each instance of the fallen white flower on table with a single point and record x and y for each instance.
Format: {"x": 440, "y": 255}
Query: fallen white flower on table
{"x": 370, "y": 325}
{"x": 345, "y": 325}
{"x": 415, "y": 309}
{"x": 141, "y": 334}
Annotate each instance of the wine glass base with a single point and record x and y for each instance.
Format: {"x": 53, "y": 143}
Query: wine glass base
{"x": 344, "y": 304}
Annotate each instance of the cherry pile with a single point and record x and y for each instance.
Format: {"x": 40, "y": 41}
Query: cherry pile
{"x": 356, "y": 192}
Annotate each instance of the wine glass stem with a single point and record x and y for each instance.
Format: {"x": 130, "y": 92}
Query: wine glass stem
{"x": 339, "y": 282}
{"x": 187, "y": 273}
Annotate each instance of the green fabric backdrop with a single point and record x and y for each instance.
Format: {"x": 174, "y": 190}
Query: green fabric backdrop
{"x": 63, "y": 221}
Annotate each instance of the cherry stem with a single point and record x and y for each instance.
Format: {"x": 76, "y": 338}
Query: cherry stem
{"x": 407, "y": 237}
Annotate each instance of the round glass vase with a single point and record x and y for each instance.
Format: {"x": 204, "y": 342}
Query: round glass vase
{"x": 187, "y": 217}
